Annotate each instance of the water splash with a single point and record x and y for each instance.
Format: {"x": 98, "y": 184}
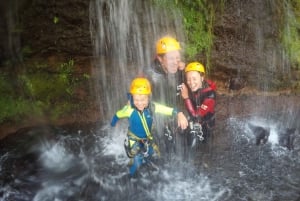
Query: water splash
{"x": 182, "y": 187}
{"x": 113, "y": 142}
{"x": 55, "y": 157}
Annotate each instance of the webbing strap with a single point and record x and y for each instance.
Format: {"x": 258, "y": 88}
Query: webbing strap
{"x": 145, "y": 125}
{"x": 132, "y": 136}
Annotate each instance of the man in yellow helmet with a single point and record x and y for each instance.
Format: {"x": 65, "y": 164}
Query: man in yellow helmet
{"x": 166, "y": 71}
{"x": 199, "y": 97}
{"x": 168, "y": 55}
{"x": 139, "y": 143}
{"x": 166, "y": 74}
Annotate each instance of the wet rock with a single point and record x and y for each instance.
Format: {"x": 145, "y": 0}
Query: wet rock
{"x": 261, "y": 134}
{"x": 236, "y": 83}
{"x": 287, "y": 137}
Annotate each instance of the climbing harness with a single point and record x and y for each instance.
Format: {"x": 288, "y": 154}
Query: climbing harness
{"x": 168, "y": 133}
{"x": 132, "y": 145}
{"x": 136, "y": 145}
{"x": 146, "y": 148}
{"x": 196, "y": 132}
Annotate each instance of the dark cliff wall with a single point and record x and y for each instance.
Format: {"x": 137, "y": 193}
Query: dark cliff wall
{"x": 36, "y": 28}
{"x": 247, "y": 42}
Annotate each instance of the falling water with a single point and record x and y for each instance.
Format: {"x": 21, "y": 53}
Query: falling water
{"x": 10, "y": 31}
{"x": 258, "y": 33}
{"x": 88, "y": 163}
{"x": 272, "y": 63}
{"x": 124, "y": 34}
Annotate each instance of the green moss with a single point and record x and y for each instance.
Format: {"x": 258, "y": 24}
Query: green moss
{"x": 6, "y": 87}
{"x": 291, "y": 32}
{"x": 15, "y": 109}
{"x": 43, "y": 91}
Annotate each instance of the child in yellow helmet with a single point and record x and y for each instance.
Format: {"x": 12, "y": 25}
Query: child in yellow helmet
{"x": 199, "y": 96}
{"x": 139, "y": 143}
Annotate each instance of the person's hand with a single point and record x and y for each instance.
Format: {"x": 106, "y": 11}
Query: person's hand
{"x": 181, "y": 65}
{"x": 182, "y": 121}
{"x": 184, "y": 91}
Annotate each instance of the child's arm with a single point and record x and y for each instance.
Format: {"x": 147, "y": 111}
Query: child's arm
{"x": 114, "y": 120}
{"x": 125, "y": 112}
{"x": 165, "y": 110}
{"x": 190, "y": 107}
{"x": 187, "y": 102}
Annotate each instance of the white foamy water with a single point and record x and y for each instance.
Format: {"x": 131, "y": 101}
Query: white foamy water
{"x": 179, "y": 187}
{"x": 113, "y": 141}
{"x": 56, "y": 157}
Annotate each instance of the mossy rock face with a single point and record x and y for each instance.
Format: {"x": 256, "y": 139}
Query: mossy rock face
{"x": 43, "y": 28}
{"x": 48, "y": 87}
{"x": 41, "y": 90}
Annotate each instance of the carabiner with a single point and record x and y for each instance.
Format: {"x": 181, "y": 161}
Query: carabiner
{"x": 146, "y": 153}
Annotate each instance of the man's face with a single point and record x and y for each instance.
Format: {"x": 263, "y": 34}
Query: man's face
{"x": 140, "y": 101}
{"x": 170, "y": 61}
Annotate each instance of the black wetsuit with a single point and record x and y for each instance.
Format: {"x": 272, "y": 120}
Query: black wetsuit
{"x": 164, "y": 91}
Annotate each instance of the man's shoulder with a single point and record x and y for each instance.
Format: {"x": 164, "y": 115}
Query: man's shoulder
{"x": 153, "y": 74}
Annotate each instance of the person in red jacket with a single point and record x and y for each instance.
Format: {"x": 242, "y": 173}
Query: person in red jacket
{"x": 199, "y": 97}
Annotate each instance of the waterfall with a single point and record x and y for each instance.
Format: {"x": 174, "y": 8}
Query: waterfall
{"x": 124, "y": 33}
{"x": 10, "y": 32}
{"x": 271, "y": 61}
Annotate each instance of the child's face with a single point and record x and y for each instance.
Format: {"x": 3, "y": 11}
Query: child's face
{"x": 194, "y": 80}
{"x": 140, "y": 101}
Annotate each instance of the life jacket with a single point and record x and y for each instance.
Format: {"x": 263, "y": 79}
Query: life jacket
{"x": 198, "y": 97}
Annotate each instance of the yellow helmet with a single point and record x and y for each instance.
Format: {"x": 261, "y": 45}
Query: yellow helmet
{"x": 167, "y": 44}
{"x": 195, "y": 66}
{"x": 140, "y": 86}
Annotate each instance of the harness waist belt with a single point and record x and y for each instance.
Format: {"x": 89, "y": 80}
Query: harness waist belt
{"x": 134, "y": 137}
